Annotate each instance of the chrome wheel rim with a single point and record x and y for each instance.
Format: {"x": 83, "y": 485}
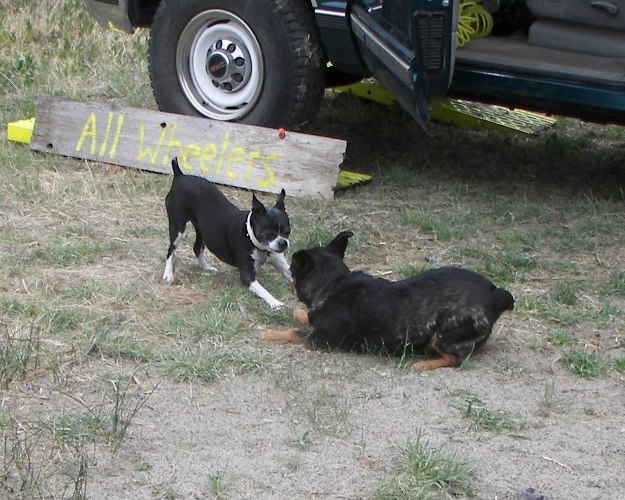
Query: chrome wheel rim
{"x": 219, "y": 65}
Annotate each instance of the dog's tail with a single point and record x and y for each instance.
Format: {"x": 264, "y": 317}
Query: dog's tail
{"x": 175, "y": 167}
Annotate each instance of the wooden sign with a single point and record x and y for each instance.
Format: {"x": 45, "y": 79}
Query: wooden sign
{"x": 239, "y": 155}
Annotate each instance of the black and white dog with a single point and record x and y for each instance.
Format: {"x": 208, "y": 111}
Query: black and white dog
{"x": 244, "y": 239}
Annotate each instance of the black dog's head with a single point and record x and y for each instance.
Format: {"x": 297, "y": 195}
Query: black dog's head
{"x": 271, "y": 227}
{"x": 314, "y": 270}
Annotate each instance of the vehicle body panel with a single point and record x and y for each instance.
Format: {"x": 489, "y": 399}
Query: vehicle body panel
{"x": 409, "y": 46}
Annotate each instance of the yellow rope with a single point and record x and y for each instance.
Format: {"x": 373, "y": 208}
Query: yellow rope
{"x": 474, "y": 22}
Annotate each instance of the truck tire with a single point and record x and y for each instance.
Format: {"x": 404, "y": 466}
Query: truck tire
{"x": 259, "y": 62}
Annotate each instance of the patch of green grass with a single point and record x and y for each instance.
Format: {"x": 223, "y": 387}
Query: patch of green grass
{"x": 549, "y": 399}
{"x": 167, "y": 493}
{"x": 408, "y": 269}
{"x": 146, "y": 231}
{"x": 596, "y": 224}
{"x": 22, "y": 472}
{"x": 566, "y": 244}
{"x": 94, "y": 291}
{"x": 302, "y": 442}
{"x": 53, "y": 319}
{"x": 587, "y": 364}
{"x": 445, "y": 226}
{"x": 63, "y": 34}
{"x": 565, "y": 293}
{"x": 231, "y": 298}
{"x": 538, "y": 343}
{"x": 63, "y": 320}
{"x": 218, "y": 485}
{"x": 122, "y": 346}
{"x": 557, "y": 313}
{"x": 427, "y": 474}
{"x": 327, "y": 412}
{"x": 19, "y": 353}
{"x": 485, "y": 419}
{"x": 469, "y": 251}
{"x": 561, "y": 338}
{"x": 70, "y": 253}
{"x": 127, "y": 398}
{"x": 13, "y": 306}
{"x": 209, "y": 363}
{"x": 615, "y": 284}
{"x": 521, "y": 240}
{"x": 607, "y": 314}
{"x": 529, "y": 211}
{"x": 557, "y": 145}
{"x": 619, "y": 364}
{"x": 312, "y": 236}
{"x": 6, "y": 422}
{"x": 21, "y": 70}
{"x": 507, "y": 268}
{"x": 79, "y": 293}
{"x": 280, "y": 316}
{"x": 511, "y": 369}
{"x": 201, "y": 324}
{"x": 400, "y": 175}
{"x": 76, "y": 428}
{"x": 526, "y": 305}
{"x": 122, "y": 400}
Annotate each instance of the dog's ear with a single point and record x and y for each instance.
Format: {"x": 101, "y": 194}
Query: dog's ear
{"x": 257, "y": 206}
{"x": 339, "y": 244}
{"x": 301, "y": 262}
{"x": 280, "y": 201}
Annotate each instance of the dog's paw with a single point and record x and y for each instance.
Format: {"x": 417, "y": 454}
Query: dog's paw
{"x": 445, "y": 361}
{"x": 272, "y": 302}
{"x": 420, "y": 366}
{"x": 301, "y": 316}
{"x": 205, "y": 266}
{"x": 275, "y": 304}
{"x": 168, "y": 272}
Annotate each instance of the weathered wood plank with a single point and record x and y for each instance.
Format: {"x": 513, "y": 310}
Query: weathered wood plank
{"x": 227, "y": 153}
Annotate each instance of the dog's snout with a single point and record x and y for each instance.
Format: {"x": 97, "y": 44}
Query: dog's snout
{"x": 283, "y": 244}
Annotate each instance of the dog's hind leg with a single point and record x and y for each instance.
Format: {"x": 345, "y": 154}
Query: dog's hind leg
{"x": 198, "y": 250}
{"x": 291, "y": 336}
{"x": 446, "y": 360}
{"x": 174, "y": 238}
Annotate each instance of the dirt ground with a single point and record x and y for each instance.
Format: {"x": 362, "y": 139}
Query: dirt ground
{"x": 337, "y": 437}
{"x": 329, "y": 426}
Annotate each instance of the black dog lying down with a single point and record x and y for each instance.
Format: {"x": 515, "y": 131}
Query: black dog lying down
{"x": 445, "y": 313}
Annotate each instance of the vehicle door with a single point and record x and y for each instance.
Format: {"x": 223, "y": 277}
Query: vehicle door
{"x": 409, "y": 46}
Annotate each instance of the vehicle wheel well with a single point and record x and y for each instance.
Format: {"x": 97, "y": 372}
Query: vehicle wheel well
{"x": 141, "y": 12}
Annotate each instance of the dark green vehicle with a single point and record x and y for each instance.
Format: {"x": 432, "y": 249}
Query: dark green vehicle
{"x": 267, "y": 62}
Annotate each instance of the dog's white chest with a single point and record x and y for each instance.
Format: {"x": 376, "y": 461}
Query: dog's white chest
{"x": 259, "y": 257}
